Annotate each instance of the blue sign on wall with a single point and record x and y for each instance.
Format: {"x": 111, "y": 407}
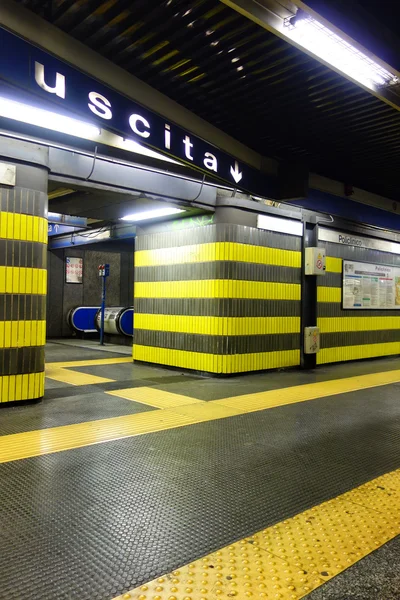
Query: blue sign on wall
{"x": 54, "y": 82}
{"x": 56, "y": 229}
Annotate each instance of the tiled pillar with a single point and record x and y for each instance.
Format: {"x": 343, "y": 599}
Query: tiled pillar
{"x": 224, "y": 298}
{"x": 23, "y": 249}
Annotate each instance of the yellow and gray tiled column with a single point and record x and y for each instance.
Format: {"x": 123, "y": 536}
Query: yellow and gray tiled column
{"x": 224, "y": 298}
{"x": 23, "y": 275}
{"x": 353, "y": 334}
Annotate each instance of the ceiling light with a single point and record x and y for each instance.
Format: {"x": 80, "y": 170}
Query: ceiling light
{"x": 152, "y": 214}
{"x": 235, "y": 59}
{"x": 133, "y": 146}
{"x": 239, "y": 68}
{"x": 45, "y": 118}
{"x": 214, "y": 43}
{"x": 334, "y": 50}
{"x": 209, "y": 32}
{"x": 287, "y": 226}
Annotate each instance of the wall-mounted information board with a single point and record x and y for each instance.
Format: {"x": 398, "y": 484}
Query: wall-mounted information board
{"x": 73, "y": 270}
{"x": 369, "y": 286}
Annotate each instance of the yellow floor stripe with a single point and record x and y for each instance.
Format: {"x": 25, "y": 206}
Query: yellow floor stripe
{"x": 153, "y": 397}
{"x": 56, "y": 439}
{"x": 58, "y": 371}
{"x": 90, "y": 363}
{"x": 311, "y": 391}
{"x": 206, "y": 411}
{"x": 73, "y": 377}
{"x": 289, "y": 560}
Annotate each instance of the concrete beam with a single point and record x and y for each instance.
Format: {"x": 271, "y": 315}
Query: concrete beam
{"x": 73, "y": 168}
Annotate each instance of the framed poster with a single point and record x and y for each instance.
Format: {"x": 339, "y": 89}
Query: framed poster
{"x": 369, "y": 286}
{"x": 73, "y": 269}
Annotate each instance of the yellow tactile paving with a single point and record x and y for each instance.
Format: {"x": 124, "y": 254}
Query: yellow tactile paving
{"x": 185, "y": 411}
{"x": 90, "y": 363}
{"x": 207, "y": 411}
{"x": 153, "y": 397}
{"x": 57, "y": 439}
{"x": 73, "y": 377}
{"x": 35, "y": 443}
{"x": 378, "y": 496}
{"x": 58, "y": 371}
{"x": 289, "y": 560}
{"x": 311, "y": 391}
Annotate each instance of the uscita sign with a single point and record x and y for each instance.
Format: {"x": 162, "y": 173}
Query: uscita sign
{"x": 53, "y": 81}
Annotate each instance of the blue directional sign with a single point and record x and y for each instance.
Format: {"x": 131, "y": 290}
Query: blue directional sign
{"x": 37, "y": 78}
{"x": 57, "y": 229}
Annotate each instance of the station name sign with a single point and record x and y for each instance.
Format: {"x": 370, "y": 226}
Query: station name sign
{"x": 50, "y": 81}
{"x": 339, "y": 237}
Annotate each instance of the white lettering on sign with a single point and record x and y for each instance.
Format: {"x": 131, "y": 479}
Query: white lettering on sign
{"x": 167, "y": 136}
{"x": 58, "y": 89}
{"x": 188, "y": 146}
{"x": 100, "y": 105}
{"x": 133, "y": 122}
{"x": 210, "y": 162}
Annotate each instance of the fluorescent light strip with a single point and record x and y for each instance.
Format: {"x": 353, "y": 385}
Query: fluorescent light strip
{"x": 24, "y": 113}
{"x": 133, "y": 146}
{"x": 334, "y": 50}
{"x": 152, "y": 214}
{"x": 280, "y": 225}
{"x": 45, "y": 118}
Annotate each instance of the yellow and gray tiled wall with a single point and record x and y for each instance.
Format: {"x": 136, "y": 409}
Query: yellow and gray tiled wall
{"x": 222, "y": 298}
{"x": 23, "y": 275}
{"x": 353, "y": 334}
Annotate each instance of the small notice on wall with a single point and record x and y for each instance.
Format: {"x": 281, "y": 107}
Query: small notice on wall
{"x": 73, "y": 269}
{"x": 369, "y": 286}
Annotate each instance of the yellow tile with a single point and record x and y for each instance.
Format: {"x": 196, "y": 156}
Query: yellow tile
{"x": 218, "y": 251}
{"x": 73, "y": 377}
{"x": 153, "y": 397}
{"x": 206, "y": 411}
{"x": 219, "y": 289}
{"x": 56, "y": 439}
{"x": 90, "y": 363}
{"x": 312, "y": 391}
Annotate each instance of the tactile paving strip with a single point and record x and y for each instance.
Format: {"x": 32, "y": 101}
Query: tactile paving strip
{"x": 289, "y": 560}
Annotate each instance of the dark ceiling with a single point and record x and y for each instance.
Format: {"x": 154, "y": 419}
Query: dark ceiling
{"x": 246, "y": 81}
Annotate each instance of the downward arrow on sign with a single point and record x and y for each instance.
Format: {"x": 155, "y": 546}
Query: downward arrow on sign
{"x": 236, "y": 174}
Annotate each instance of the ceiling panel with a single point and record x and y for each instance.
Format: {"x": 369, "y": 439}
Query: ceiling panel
{"x": 246, "y": 81}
